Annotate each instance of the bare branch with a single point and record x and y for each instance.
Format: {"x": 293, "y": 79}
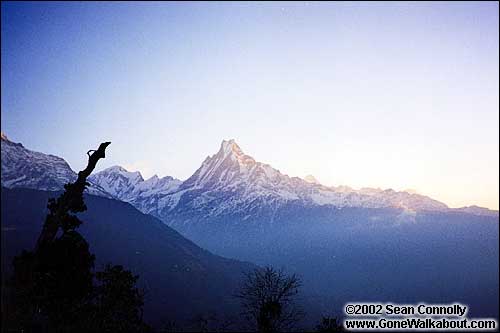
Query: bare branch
{"x": 267, "y": 298}
{"x": 70, "y": 201}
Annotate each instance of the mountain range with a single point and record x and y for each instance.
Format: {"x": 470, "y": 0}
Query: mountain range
{"x": 180, "y": 279}
{"x": 229, "y": 181}
{"x": 346, "y": 244}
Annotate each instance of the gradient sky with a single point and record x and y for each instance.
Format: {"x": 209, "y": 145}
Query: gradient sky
{"x": 390, "y": 95}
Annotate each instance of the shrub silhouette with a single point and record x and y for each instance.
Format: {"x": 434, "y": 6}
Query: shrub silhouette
{"x": 268, "y": 299}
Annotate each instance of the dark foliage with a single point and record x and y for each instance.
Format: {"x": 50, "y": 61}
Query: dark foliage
{"x": 117, "y": 303}
{"x": 329, "y": 325}
{"x": 211, "y": 322}
{"x": 52, "y": 284}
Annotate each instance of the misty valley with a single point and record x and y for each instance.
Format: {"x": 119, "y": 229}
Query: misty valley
{"x": 191, "y": 242}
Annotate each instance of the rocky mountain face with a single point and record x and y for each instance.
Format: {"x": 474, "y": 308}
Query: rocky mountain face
{"x": 25, "y": 168}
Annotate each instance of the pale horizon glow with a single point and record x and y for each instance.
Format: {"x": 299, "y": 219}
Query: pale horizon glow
{"x": 389, "y": 95}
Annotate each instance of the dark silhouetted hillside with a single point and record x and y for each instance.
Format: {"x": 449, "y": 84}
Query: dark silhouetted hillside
{"x": 180, "y": 278}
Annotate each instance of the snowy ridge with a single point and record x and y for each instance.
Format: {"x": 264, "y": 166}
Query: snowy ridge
{"x": 131, "y": 187}
{"x": 29, "y": 169}
{"x": 475, "y": 210}
{"x": 117, "y": 181}
{"x": 232, "y": 182}
{"x": 227, "y": 183}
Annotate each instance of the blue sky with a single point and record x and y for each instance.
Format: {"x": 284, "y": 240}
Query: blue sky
{"x": 391, "y": 95}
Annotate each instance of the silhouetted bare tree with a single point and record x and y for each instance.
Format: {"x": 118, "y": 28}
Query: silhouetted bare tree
{"x": 52, "y": 288}
{"x": 71, "y": 201}
{"x": 268, "y": 298}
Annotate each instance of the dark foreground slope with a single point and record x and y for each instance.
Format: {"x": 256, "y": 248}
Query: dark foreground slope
{"x": 181, "y": 279}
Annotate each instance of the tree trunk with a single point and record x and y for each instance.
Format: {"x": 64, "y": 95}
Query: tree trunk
{"x": 71, "y": 200}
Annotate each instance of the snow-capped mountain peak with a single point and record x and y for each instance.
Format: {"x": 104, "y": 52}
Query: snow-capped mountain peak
{"x": 227, "y": 165}
{"x": 228, "y": 182}
{"x": 231, "y": 181}
{"x": 311, "y": 179}
{"x": 130, "y": 186}
{"x": 133, "y": 177}
{"x": 230, "y": 147}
